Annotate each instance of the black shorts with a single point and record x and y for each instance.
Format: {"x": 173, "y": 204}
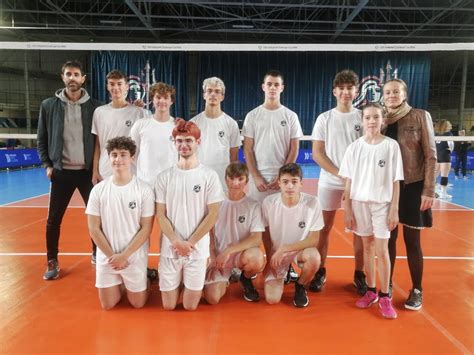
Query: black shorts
{"x": 444, "y": 156}
{"x": 409, "y": 206}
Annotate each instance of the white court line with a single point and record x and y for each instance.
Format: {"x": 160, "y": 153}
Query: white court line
{"x": 470, "y": 258}
{"x": 23, "y": 200}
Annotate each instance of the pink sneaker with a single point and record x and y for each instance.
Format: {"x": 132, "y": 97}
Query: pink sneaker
{"x": 367, "y": 300}
{"x": 386, "y": 308}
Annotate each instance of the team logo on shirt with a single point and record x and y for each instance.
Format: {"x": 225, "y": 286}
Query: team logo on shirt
{"x": 221, "y": 134}
{"x": 283, "y": 123}
{"x": 302, "y": 224}
{"x": 357, "y": 127}
{"x": 241, "y": 219}
{"x": 197, "y": 188}
{"x": 132, "y": 205}
{"x": 128, "y": 123}
{"x": 381, "y": 163}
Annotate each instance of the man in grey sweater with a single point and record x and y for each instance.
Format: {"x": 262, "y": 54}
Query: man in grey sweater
{"x": 65, "y": 147}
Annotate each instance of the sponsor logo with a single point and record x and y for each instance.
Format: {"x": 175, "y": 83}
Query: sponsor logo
{"x": 381, "y": 163}
{"x": 221, "y": 134}
{"x": 357, "y": 127}
{"x": 197, "y": 188}
{"x": 132, "y": 205}
{"x": 283, "y": 123}
{"x": 128, "y": 123}
{"x": 302, "y": 224}
{"x": 241, "y": 219}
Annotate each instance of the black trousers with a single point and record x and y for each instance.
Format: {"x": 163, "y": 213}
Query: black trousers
{"x": 63, "y": 185}
{"x": 461, "y": 163}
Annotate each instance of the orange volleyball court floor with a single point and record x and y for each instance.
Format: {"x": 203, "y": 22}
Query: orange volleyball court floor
{"x": 64, "y": 316}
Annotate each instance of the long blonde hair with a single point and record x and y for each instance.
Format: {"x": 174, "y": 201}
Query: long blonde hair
{"x": 442, "y": 126}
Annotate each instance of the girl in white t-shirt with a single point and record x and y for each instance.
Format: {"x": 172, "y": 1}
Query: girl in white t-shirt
{"x": 372, "y": 166}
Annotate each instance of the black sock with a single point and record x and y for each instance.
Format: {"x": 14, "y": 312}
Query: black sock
{"x": 359, "y": 274}
{"x": 321, "y": 271}
{"x": 373, "y": 289}
{"x": 381, "y": 294}
{"x": 444, "y": 181}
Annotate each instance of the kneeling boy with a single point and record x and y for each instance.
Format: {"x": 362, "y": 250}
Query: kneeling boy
{"x": 294, "y": 219}
{"x": 120, "y": 218}
{"x": 237, "y": 237}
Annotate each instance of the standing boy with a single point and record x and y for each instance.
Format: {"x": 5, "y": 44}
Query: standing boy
{"x": 294, "y": 219}
{"x": 333, "y": 131}
{"x": 153, "y": 135}
{"x": 120, "y": 218}
{"x": 271, "y": 138}
{"x": 220, "y": 136}
{"x": 188, "y": 196}
{"x": 237, "y": 238}
{"x": 66, "y": 148}
{"x": 112, "y": 120}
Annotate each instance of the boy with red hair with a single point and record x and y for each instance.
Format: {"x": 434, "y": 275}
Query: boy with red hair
{"x": 188, "y": 196}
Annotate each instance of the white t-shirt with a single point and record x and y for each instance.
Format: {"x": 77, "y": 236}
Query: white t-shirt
{"x": 155, "y": 147}
{"x": 186, "y": 194}
{"x": 272, "y": 131}
{"x": 237, "y": 219}
{"x": 109, "y": 122}
{"x": 289, "y": 225}
{"x": 120, "y": 209}
{"x": 372, "y": 168}
{"x": 218, "y": 135}
{"x": 337, "y": 130}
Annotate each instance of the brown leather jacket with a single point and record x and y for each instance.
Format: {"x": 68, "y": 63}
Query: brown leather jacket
{"x": 417, "y": 145}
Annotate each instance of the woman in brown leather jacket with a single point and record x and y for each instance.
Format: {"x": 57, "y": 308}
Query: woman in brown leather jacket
{"x": 413, "y": 129}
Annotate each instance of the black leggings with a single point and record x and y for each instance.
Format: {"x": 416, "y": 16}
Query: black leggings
{"x": 63, "y": 185}
{"x": 414, "y": 253}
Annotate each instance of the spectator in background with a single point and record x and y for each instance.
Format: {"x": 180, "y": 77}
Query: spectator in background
{"x": 443, "y": 152}
{"x": 461, "y": 149}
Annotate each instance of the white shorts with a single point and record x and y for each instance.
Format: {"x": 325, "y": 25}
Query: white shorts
{"x": 218, "y": 276}
{"x": 330, "y": 199}
{"x": 191, "y": 272}
{"x": 371, "y": 219}
{"x": 257, "y": 195}
{"x": 133, "y": 277}
{"x": 283, "y": 269}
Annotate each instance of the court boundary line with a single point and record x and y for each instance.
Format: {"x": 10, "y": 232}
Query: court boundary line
{"x": 468, "y": 258}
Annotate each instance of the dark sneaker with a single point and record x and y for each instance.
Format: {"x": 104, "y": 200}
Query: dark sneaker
{"x": 317, "y": 283}
{"x": 415, "y": 300}
{"x": 93, "y": 259}
{"x": 300, "y": 299}
{"x": 250, "y": 293}
{"x": 152, "y": 274}
{"x": 235, "y": 275}
{"x": 291, "y": 275}
{"x": 52, "y": 271}
{"x": 360, "y": 284}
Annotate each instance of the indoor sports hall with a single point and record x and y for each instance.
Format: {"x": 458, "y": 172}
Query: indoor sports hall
{"x": 429, "y": 44}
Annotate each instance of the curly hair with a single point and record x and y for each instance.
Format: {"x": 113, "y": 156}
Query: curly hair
{"x": 121, "y": 143}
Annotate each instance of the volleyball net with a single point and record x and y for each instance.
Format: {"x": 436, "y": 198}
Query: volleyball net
{"x": 18, "y": 150}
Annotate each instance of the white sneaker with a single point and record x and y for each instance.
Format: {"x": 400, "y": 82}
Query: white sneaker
{"x": 444, "y": 196}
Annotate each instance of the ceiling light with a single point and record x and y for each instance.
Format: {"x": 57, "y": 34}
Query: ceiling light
{"x": 111, "y": 22}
